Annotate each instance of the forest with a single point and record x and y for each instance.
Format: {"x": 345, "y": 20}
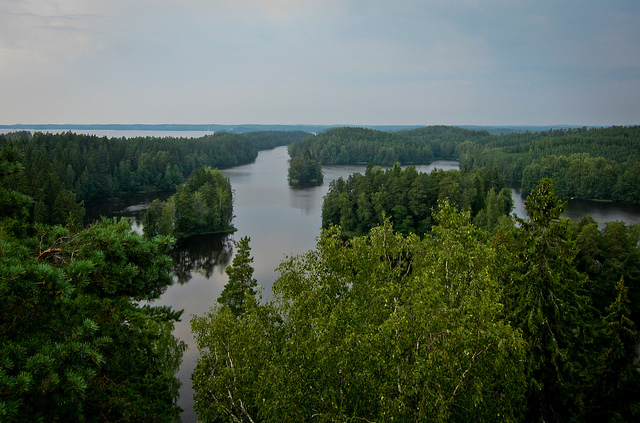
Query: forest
{"x": 409, "y": 199}
{"x": 203, "y": 205}
{"x": 423, "y": 300}
{"x": 62, "y": 170}
{"x": 304, "y": 171}
{"x": 78, "y": 340}
{"x": 586, "y": 163}
{"x": 535, "y": 322}
{"x": 77, "y": 343}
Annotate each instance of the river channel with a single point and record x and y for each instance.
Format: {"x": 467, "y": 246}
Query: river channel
{"x": 280, "y": 221}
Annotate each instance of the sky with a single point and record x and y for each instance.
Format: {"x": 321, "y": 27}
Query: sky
{"x": 325, "y": 62}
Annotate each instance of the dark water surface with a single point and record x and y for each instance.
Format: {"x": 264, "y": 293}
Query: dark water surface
{"x": 280, "y": 221}
{"x": 601, "y": 211}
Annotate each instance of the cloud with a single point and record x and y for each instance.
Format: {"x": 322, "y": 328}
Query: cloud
{"x": 41, "y": 34}
{"x": 331, "y": 60}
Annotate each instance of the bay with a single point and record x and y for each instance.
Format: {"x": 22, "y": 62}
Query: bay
{"x": 281, "y": 221}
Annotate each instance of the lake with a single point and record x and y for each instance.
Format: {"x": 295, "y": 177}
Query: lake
{"x": 281, "y": 221}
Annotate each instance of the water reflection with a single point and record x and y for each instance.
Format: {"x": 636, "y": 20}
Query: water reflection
{"x": 201, "y": 254}
{"x": 130, "y": 205}
{"x": 601, "y": 211}
{"x": 281, "y": 221}
{"x": 306, "y": 199}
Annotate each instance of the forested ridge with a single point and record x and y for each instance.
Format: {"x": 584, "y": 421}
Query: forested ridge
{"x": 265, "y": 140}
{"x": 587, "y": 163}
{"x": 61, "y": 170}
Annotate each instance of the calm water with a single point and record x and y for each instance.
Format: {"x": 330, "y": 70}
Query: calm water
{"x": 280, "y": 221}
{"x": 601, "y": 211}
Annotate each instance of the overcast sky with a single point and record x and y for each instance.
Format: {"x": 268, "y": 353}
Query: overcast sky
{"x": 368, "y": 62}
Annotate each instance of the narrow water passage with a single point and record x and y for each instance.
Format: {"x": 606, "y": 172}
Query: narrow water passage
{"x": 281, "y": 221}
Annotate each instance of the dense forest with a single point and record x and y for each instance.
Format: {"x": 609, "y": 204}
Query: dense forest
{"x": 76, "y": 344}
{"x": 266, "y": 140}
{"x": 62, "y": 170}
{"x": 409, "y": 199}
{"x": 595, "y": 163}
{"x": 537, "y": 322}
{"x": 304, "y": 171}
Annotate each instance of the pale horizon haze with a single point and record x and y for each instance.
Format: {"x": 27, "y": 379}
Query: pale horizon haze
{"x": 323, "y": 62}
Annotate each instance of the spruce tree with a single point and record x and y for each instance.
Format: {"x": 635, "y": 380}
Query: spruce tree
{"x": 546, "y": 301}
{"x": 241, "y": 281}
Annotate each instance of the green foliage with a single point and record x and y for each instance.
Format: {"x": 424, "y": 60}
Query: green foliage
{"x": 203, "y": 205}
{"x": 15, "y": 208}
{"x": 266, "y": 140}
{"x": 305, "y": 171}
{"x": 60, "y": 169}
{"x": 497, "y": 207}
{"x": 457, "y": 326}
{"x": 597, "y": 163}
{"x": 408, "y": 199}
{"x": 378, "y": 328}
{"x": 74, "y": 343}
{"x": 547, "y": 304}
{"x": 615, "y": 386}
{"x": 361, "y": 145}
{"x": 607, "y": 256}
{"x": 570, "y": 361}
{"x": 241, "y": 282}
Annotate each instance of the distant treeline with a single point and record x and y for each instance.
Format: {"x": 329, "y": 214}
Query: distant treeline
{"x": 588, "y": 163}
{"x": 360, "y": 145}
{"x": 60, "y": 170}
{"x": 266, "y": 140}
